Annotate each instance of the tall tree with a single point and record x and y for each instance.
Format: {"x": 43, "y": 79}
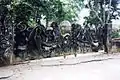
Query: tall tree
{"x": 102, "y": 12}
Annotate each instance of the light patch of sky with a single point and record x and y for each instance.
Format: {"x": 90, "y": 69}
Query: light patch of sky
{"x": 116, "y": 23}
{"x": 118, "y": 5}
{"x": 65, "y": 1}
{"x": 83, "y": 13}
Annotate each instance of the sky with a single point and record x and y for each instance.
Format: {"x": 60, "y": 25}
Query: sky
{"x": 84, "y": 12}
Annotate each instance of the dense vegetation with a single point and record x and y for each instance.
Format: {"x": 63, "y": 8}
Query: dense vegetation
{"x": 102, "y": 12}
{"x": 22, "y": 14}
{"x": 20, "y": 22}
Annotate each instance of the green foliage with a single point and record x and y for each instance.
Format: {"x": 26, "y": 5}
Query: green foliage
{"x": 5, "y": 2}
{"x": 92, "y": 20}
{"x": 102, "y": 11}
{"x": 115, "y": 34}
{"x": 29, "y": 11}
{"x": 22, "y": 12}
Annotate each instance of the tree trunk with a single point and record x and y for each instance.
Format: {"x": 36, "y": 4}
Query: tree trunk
{"x": 2, "y": 25}
{"x": 47, "y": 21}
{"x": 105, "y": 31}
{"x": 107, "y": 37}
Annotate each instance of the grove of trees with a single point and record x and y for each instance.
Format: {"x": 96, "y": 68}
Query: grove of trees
{"x": 28, "y": 13}
{"x": 102, "y": 12}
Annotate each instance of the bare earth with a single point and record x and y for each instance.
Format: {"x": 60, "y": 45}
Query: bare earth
{"x": 92, "y": 66}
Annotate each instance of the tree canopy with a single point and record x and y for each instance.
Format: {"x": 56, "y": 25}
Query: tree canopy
{"x": 30, "y": 11}
{"x": 102, "y": 11}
